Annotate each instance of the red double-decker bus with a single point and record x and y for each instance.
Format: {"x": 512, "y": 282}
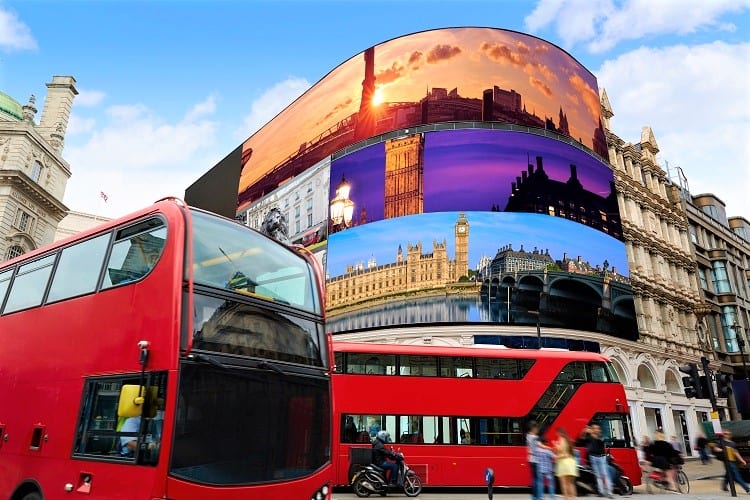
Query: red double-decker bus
{"x": 171, "y": 354}
{"x": 455, "y": 411}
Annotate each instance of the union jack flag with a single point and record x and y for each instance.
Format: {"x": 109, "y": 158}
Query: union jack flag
{"x": 104, "y": 196}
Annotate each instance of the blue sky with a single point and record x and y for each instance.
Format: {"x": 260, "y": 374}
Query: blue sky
{"x": 168, "y": 88}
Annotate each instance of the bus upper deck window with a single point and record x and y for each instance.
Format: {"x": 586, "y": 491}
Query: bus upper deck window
{"x": 135, "y": 252}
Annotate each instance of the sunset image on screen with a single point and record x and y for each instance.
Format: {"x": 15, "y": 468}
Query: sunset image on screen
{"x": 459, "y": 74}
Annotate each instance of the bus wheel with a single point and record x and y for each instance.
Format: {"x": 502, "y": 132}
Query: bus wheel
{"x": 32, "y": 496}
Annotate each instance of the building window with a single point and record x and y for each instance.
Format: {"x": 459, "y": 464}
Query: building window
{"x": 36, "y": 171}
{"x": 15, "y": 251}
{"x": 702, "y": 278}
{"x": 309, "y": 205}
{"x": 24, "y": 221}
{"x": 728, "y": 318}
{"x": 309, "y": 220}
{"x": 719, "y": 277}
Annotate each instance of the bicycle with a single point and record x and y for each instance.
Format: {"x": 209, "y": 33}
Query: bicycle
{"x": 657, "y": 480}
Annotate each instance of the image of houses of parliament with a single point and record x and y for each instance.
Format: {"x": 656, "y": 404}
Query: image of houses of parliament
{"x": 412, "y": 272}
{"x": 438, "y": 105}
{"x": 535, "y": 192}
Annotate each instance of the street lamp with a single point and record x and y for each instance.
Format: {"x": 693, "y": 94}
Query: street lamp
{"x": 342, "y": 208}
{"x": 741, "y": 344}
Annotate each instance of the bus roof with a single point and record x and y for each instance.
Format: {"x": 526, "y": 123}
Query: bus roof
{"x": 476, "y": 350}
{"x": 155, "y": 207}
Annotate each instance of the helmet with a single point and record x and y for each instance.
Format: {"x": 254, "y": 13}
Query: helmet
{"x": 383, "y": 436}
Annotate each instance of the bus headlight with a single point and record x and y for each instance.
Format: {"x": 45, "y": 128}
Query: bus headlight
{"x": 322, "y": 493}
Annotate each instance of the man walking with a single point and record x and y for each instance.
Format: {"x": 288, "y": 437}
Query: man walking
{"x": 532, "y": 443}
{"x": 597, "y": 456}
{"x": 731, "y": 456}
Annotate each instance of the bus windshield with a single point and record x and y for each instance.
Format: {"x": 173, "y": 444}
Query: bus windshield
{"x": 227, "y": 255}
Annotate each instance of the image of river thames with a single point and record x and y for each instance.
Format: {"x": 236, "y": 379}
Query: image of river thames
{"x": 433, "y": 309}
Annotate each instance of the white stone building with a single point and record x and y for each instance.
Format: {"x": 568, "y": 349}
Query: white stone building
{"x": 33, "y": 173}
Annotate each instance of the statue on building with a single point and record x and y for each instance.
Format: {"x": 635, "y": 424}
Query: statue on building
{"x": 275, "y": 225}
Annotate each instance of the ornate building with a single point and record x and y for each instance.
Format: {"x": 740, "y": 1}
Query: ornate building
{"x": 404, "y": 176}
{"x": 33, "y": 173}
{"x": 414, "y": 272}
{"x": 667, "y": 299}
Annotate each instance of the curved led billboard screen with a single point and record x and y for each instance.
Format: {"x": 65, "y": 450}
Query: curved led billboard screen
{"x": 456, "y": 74}
{"x": 453, "y": 176}
{"x": 488, "y": 226}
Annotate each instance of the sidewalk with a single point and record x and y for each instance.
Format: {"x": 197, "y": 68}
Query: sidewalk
{"x": 705, "y": 480}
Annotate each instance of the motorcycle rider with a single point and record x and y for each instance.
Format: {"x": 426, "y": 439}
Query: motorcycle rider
{"x": 380, "y": 453}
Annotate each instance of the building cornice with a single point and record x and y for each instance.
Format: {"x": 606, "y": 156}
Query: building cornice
{"x": 34, "y": 191}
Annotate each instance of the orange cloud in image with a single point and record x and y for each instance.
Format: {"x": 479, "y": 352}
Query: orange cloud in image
{"x": 467, "y": 59}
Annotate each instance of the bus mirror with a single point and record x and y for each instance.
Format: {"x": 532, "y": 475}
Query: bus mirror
{"x": 131, "y": 401}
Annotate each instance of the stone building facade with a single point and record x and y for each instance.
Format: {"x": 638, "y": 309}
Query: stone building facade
{"x": 665, "y": 288}
{"x": 33, "y": 173}
{"x": 721, "y": 248}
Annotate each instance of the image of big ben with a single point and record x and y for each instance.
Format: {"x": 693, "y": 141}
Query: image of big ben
{"x": 461, "y": 232}
{"x": 404, "y": 176}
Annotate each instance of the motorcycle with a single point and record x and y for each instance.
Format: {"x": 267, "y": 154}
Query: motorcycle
{"x": 371, "y": 479}
{"x": 586, "y": 480}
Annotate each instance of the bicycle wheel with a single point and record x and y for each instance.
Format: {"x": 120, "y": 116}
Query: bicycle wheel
{"x": 683, "y": 484}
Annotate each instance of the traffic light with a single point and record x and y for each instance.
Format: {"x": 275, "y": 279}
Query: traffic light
{"x": 692, "y": 381}
{"x": 723, "y": 385}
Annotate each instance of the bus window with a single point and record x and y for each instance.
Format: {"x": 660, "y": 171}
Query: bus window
{"x": 598, "y": 372}
{"x": 248, "y": 330}
{"x": 412, "y": 430}
{"x": 106, "y": 431}
{"x": 456, "y": 367}
{"x": 226, "y": 255}
{"x": 498, "y": 368}
{"x": 573, "y": 372}
{"x": 4, "y": 282}
{"x": 616, "y": 429}
{"x": 135, "y": 252}
{"x": 30, "y": 284}
{"x": 371, "y": 364}
{"x": 424, "y": 366}
{"x": 78, "y": 269}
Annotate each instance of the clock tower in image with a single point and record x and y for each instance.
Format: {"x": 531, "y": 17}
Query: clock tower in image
{"x": 461, "y": 232}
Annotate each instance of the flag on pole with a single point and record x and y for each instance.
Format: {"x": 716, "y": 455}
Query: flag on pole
{"x": 104, "y": 196}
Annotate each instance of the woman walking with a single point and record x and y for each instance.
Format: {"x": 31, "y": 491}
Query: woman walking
{"x": 566, "y": 469}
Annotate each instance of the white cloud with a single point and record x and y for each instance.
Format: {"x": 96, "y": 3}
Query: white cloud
{"x": 14, "y": 33}
{"x": 271, "y": 103}
{"x": 89, "y": 98}
{"x": 575, "y": 20}
{"x": 605, "y": 23}
{"x": 136, "y": 157}
{"x": 201, "y": 109}
{"x": 697, "y": 100}
{"x": 79, "y": 125}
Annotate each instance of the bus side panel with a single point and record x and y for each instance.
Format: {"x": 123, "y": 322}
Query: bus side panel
{"x": 47, "y": 354}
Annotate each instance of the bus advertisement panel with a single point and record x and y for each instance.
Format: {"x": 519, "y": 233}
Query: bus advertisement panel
{"x": 454, "y": 411}
{"x": 171, "y": 353}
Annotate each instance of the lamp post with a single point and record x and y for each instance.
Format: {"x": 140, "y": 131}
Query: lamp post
{"x": 342, "y": 208}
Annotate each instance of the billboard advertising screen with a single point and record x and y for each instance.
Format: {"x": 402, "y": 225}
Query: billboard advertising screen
{"x": 458, "y": 74}
{"x": 484, "y": 226}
